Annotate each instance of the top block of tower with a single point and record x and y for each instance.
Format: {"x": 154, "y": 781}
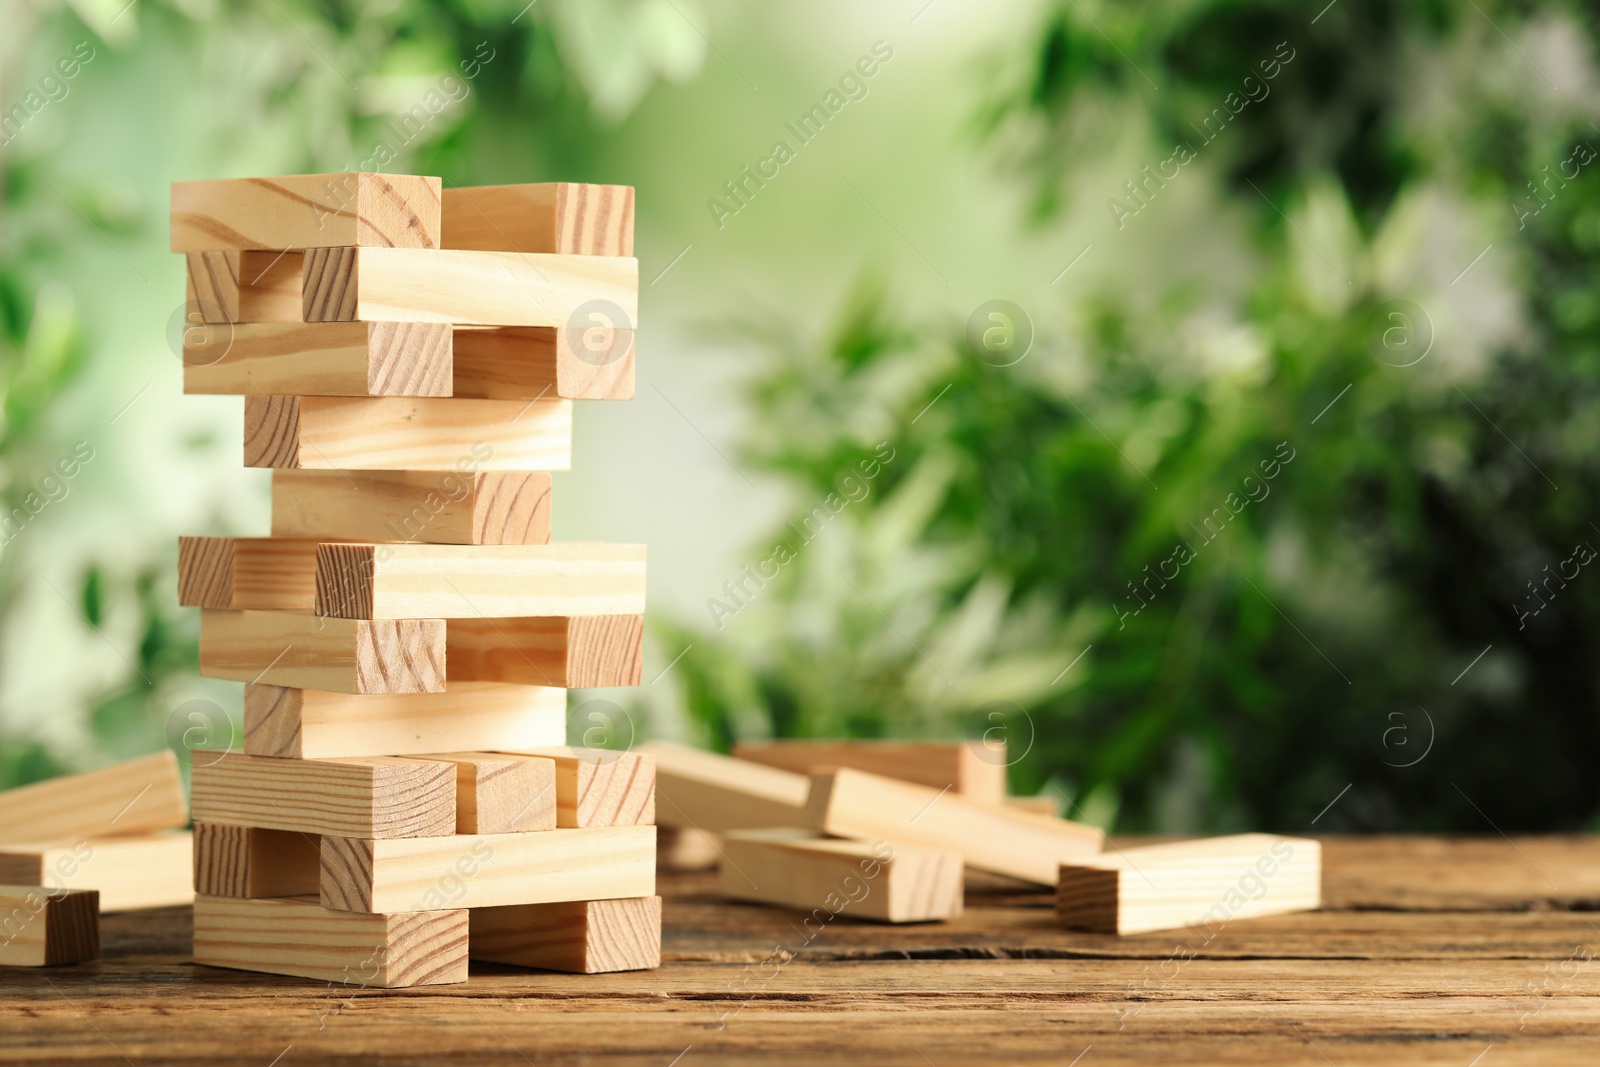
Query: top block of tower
{"x": 306, "y": 211}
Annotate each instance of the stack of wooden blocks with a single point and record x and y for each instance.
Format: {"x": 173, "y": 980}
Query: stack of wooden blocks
{"x": 409, "y": 356}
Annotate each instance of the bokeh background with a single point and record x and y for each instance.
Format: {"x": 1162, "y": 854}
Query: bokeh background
{"x": 1200, "y": 394}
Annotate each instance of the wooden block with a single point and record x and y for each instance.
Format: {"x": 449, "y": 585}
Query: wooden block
{"x": 470, "y": 716}
{"x": 572, "y": 653}
{"x": 319, "y": 358}
{"x": 146, "y": 871}
{"x": 468, "y": 287}
{"x": 40, "y": 927}
{"x": 702, "y": 790}
{"x": 488, "y": 870}
{"x": 254, "y": 573}
{"x": 566, "y": 217}
{"x": 443, "y": 508}
{"x": 253, "y": 861}
{"x": 578, "y": 936}
{"x": 303, "y": 939}
{"x": 411, "y": 581}
{"x": 952, "y": 765}
{"x": 306, "y": 211}
{"x": 1046, "y": 804}
{"x": 583, "y": 361}
{"x": 502, "y": 793}
{"x": 679, "y": 849}
{"x": 797, "y": 869}
{"x": 373, "y": 796}
{"x": 599, "y": 787}
{"x": 338, "y": 655}
{"x": 850, "y": 803}
{"x": 407, "y": 433}
{"x": 238, "y": 287}
{"x": 134, "y": 797}
{"x": 1208, "y": 882}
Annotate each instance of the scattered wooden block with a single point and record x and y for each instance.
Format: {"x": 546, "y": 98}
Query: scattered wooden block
{"x": 502, "y": 793}
{"x": 1208, "y": 882}
{"x": 407, "y": 433}
{"x": 255, "y": 573}
{"x": 236, "y": 287}
{"x": 41, "y": 927}
{"x": 469, "y": 716}
{"x": 488, "y": 870}
{"x": 375, "y": 796}
{"x": 306, "y": 211}
{"x": 577, "y": 936}
{"x": 135, "y": 797}
{"x": 583, "y": 361}
{"x": 850, "y": 803}
{"x": 146, "y": 871}
{"x": 599, "y": 787}
{"x": 445, "y": 508}
{"x": 319, "y": 358}
{"x": 952, "y": 765}
{"x": 797, "y": 869}
{"x": 565, "y": 217}
{"x": 410, "y": 581}
{"x": 255, "y": 862}
{"x": 303, "y": 939}
{"x": 680, "y": 849}
{"x": 571, "y": 653}
{"x": 702, "y": 790}
{"x": 338, "y": 655}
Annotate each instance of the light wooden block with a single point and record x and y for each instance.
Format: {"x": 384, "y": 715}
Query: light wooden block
{"x": 306, "y": 211}
{"x": 679, "y": 849}
{"x": 130, "y": 873}
{"x": 303, "y": 939}
{"x": 407, "y": 433}
{"x": 572, "y": 653}
{"x": 952, "y": 765}
{"x": 848, "y": 803}
{"x": 247, "y": 573}
{"x": 797, "y": 869}
{"x": 319, "y": 358}
{"x": 702, "y": 790}
{"x": 375, "y": 796}
{"x": 338, "y": 655}
{"x": 502, "y": 793}
{"x": 238, "y": 287}
{"x": 1047, "y": 804}
{"x": 590, "y": 360}
{"x": 253, "y": 861}
{"x": 577, "y": 936}
{"x": 488, "y": 870}
{"x": 599, "y": 787}
{"x": 566, "y": 217}
{"x": 446, "y": 508}
{"x": 134, "y": 797}
{"x": 1209, "y": 882}
{"x": 40, "y": 927}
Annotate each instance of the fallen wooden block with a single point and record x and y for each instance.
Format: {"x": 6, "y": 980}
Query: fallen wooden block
{"x": 247, "y": 573}
{"x": 1209, "y": 882}
{"x": 599, "y": 787}
{"x": 850, "y": 803}
{"x": 446, "y": 508}
{"x": 501, "y": 793}
{"x": 467, "y": 716}
{"x": 570, "y": 653}
{"x": 798, "y": 869}
{"x": 129, "y": 873}
{"x": 337, "y": 655}
{"x": 301, "y": 938}
{"x": 46, "y": 928}
{"x": 488, "y": 870}
{"x": 374, "y": 796}
{"x": 407, "y": 433}
{"x": 566, "y": 217}
{"x": 255, "y": 862}
{"x": 135, "y": 797}
{"x": 680, "y": 849}
{"x": 954, "y": 765}
{"x": 578, "y": 936}
{"x": 306, "y": 211}
{"x": 237, "y": 287}
{"x": 318, "y": 358}
{"x": 583, "y": 361}
{"x": 706, "y": 791}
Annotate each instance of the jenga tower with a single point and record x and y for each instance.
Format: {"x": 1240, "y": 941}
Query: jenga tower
{"x": 406, "y": 636}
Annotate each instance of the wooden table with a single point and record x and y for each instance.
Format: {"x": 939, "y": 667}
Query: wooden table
{"x": 1431, "y": 951}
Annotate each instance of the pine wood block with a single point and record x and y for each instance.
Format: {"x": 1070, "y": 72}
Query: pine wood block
{"x": 238, "y": 287}
{"x": 1208, "y": 882}
{"x": 319, "y": 358}
{"x": 588, "y": 360}
{"x": 502, "y": 793}
{"x": 798, "y": 869}
{"x": 40, "y": 927}
{"x": 303, "y": 939}
{"x": 407, "y": 433}
{"x": 1046, "y": 804}
{"x": 849, "y": 803}
{"x": 600, "y": 787}
{"x": 129, "y": 873}
{"x": 701, "y": 790}
{"x": 572, "y": 653}
{"x": 679, "y": 849}
{"x": 566, "y": 217}
{"x": 374, "y": 796}
{"x": 137, "y": 796}
{"x": 306, "y": 211}
{"x": 247, "y": 573}
{"x": 410, "y": 581}
{"x": 338, "y": 655}
{"x": 577, "y": 936}
{"x": 488, "y": 870}
{"x": 255, "y": 862}
{"x": 445, "y": 508}
{"x": 952, "y": 765}
{"x": 467, "y": 716}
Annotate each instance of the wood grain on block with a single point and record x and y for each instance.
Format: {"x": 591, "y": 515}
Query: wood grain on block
{"x": 306, "y": 211}
{"x": 205, "y": 572}
{"x": 133, "y": 797}
{"x": 488, "y": 870}
{"x": 433, "y": 507}
{"x": 338, "y": 655}
{"x": 954, "y": 765}
{"x": 253, "y": 861}
{"x": 374, "y": 796}
{"x": 41, "y": 927}
{"x": 1209, "y": 882}
{"x": 568, "y": 217}
{"x": 578, "y": 936}
{"x": 144, "y": 871}
{"x": 857, "y": 879}
{"x": 589, "y": 360}
{"x": 502, "y": 793}
{"x": 706, "y": 791}
{"x": 319, "y": 358}
{"x": 247, "y": 573}
{"x": 407, "y": 433}
{"x": 587, "y": 652}
{"x": 467, "y": 716}
{"x": 238, "y": 287}
{"x": 304, "y": 939}
{"x": 599, "y": 787}
{"x": 409, "y": 581}
{"x": 849, "y": 803}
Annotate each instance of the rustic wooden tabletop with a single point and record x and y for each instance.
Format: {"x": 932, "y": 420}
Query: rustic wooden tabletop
{"x": 1458, "y": 952}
